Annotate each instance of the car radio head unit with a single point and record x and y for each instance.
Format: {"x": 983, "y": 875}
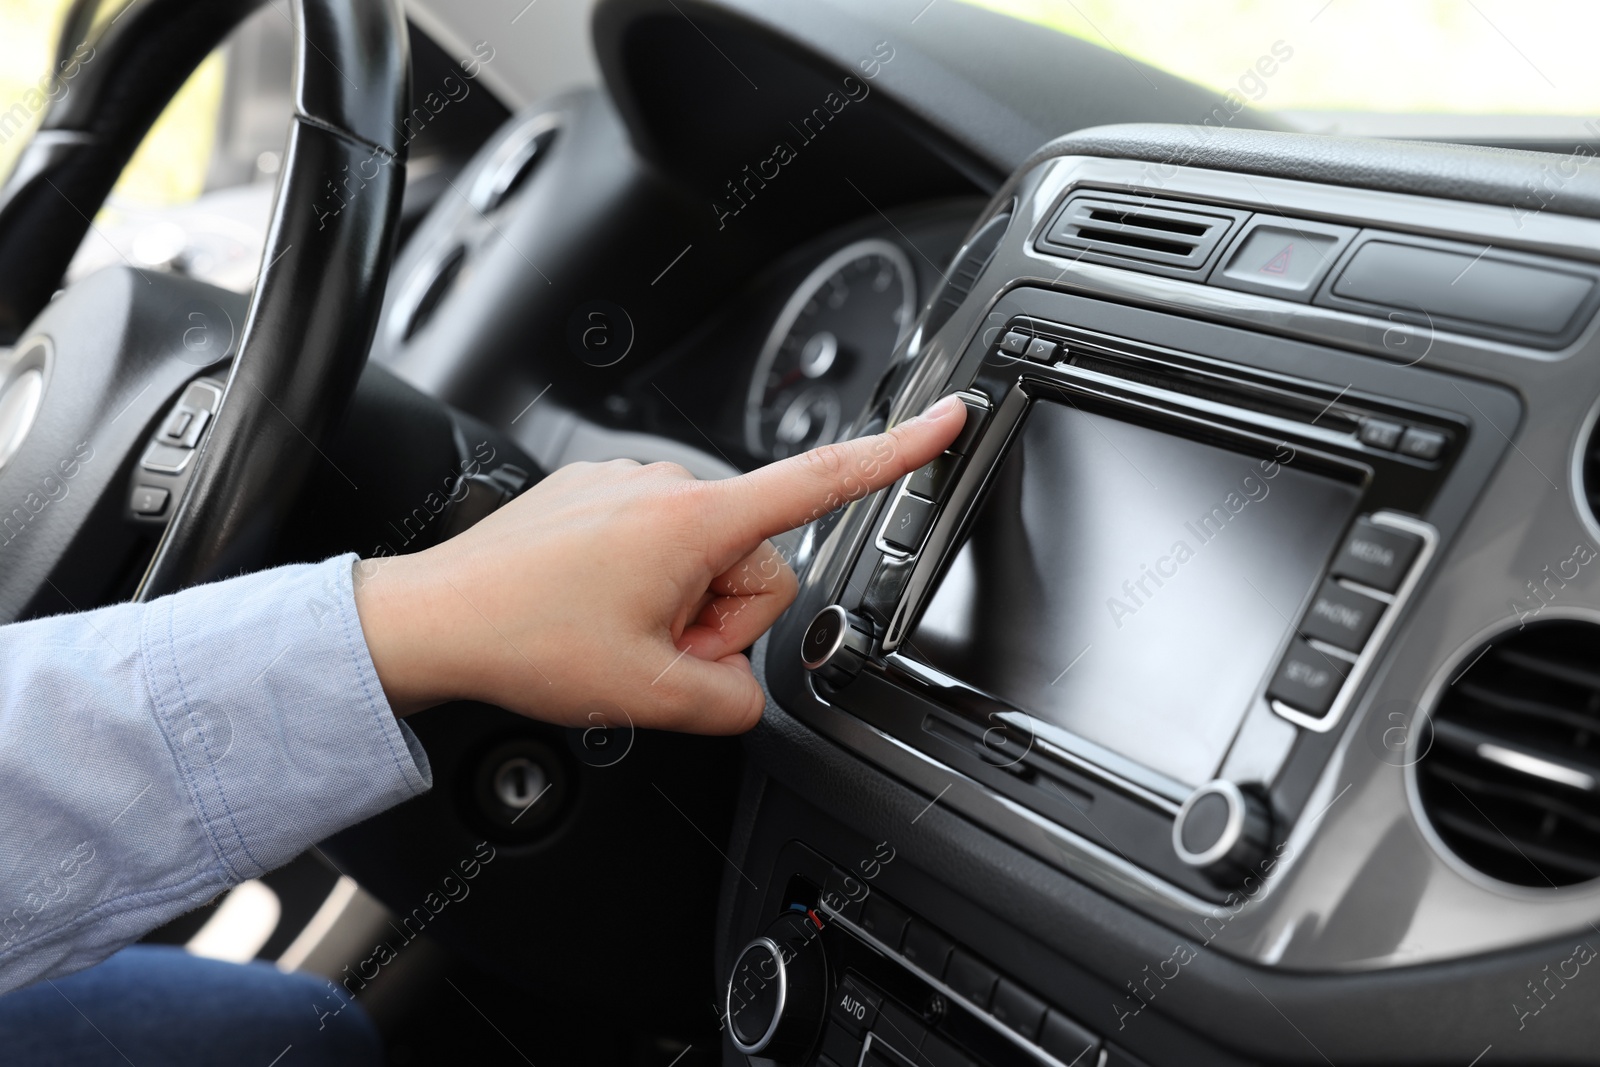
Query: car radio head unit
{"x": 1137, "y": 579}
{"x": 1127, "y": 587}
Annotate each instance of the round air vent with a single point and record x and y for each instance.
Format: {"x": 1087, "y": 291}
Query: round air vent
{"x": 1512, "y": 780}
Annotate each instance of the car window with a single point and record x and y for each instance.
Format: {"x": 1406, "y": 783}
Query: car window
{"x": 1488, "y": 57}
{"x": 169, "y": 167}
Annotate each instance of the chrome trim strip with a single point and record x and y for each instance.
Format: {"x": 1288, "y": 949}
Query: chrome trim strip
{"x": 777, "y": 1012}
{"x": 1533, "y": 766}
{"x": 1230, "y": 830}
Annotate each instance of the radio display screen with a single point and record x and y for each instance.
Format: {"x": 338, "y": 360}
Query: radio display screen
{"x": 1131, "y": 588}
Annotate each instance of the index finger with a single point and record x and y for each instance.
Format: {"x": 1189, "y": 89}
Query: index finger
{"x": 792, "y": 492}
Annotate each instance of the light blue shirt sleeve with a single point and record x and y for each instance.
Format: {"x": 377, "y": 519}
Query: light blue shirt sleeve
{"x": 152, "y": 755}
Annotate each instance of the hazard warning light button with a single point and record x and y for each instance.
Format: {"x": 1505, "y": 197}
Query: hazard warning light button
{"x": 1282, "y": 257}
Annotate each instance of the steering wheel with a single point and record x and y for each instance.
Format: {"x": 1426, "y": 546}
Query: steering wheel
{"x": 91, "y": 368}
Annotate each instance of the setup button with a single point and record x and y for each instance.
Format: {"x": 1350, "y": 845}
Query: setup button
{"x": 1307, "y": 680}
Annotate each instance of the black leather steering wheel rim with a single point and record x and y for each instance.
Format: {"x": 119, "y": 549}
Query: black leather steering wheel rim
{"x": 319, "y": 293}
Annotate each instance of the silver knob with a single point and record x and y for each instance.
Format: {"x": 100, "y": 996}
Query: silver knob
{"x": 836, "y": 645}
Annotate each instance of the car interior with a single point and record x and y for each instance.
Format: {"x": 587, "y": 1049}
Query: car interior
{"x": 1228, "y": 693}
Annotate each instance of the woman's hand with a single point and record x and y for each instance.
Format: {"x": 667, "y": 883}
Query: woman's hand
{"x": 611, "y": 585}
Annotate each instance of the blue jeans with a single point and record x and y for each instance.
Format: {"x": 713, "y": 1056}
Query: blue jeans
{"x": 155, "y": 1005}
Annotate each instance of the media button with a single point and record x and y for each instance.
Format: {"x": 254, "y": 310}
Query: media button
{"x": 1376, "y": 556}
{"x": 1308, "y": 680}
{"x": 1341, "y": 617}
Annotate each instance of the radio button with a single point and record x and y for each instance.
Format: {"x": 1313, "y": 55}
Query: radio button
{"x": 932, "y": 480}
{"x": 908, "y": 524}
{"x": 977, "y": 415}
{"x": 1341, "y": 617}
{"x": 855, "y": 1007}
{"x": 1308, "y": 680}
{"x": 1377, "y": 556}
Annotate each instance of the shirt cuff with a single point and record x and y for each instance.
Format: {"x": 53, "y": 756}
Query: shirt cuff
{"x": 266, "y": 694}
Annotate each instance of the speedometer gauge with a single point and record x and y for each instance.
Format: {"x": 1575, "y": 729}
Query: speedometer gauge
{"x": 828, "y": 348}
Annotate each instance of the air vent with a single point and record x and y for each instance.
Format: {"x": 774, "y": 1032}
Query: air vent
{"x": 1512, "y": 780}
{"x": 1152, "y": 232}
{"x": 964, "y": 274}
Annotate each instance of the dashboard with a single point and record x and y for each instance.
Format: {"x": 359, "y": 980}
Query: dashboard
{"x": 1224, "y": 695}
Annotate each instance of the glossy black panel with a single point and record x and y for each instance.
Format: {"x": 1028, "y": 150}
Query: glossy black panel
{"x": 1131, "y": 587}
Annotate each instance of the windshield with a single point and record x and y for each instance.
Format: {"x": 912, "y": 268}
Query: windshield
{"x": 1370, "y": 57}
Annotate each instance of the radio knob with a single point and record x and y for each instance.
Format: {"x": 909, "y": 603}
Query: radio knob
{"x": 836, "y": 644}
{"x": 1222, "y": 830}
{"x": 778, "y": 992}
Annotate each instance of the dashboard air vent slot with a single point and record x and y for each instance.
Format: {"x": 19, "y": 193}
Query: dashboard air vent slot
{"x": 1152, "y": 231}
{"x": 1511, "y": 782}
{"x": 964, "y": 273}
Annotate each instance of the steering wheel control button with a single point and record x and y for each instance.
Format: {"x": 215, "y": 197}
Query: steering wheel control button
{"x": 177, "y": 425}
{"x": 1017, "y": 1008}
{"x": 926, "y": 948}
{"x": 1042, "y": 350}
{"x": 1068, "y": 1042}
{"x": 1015, "y": 343}
{"x": 1222, "y": 830}
{"x": 778, "y": 992}
{"x": 1376, "y": 556}
{"x": 148, "y": 500}
{"x": 1307, "y": 679}
{"x": 1380, "y": 433}
{"x": 933, "y": 479}
{"x": 855, "y": 1007}
{"x": 977, "y": 415}
{"x": 1422, "y": 444}
{"x": 971, "y": 978}
{"x": 165, "y": 459}
{"x": 836, "y": 645}
{"x": 1341, "y": 617}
